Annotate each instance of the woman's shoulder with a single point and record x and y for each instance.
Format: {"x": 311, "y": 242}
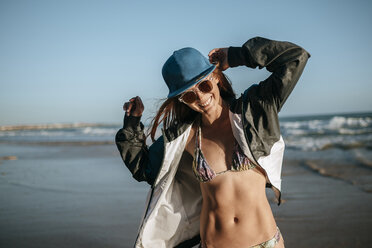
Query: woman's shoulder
{"x": 190, "y": 143}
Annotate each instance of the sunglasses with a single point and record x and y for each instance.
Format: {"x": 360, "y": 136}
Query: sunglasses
{"x": 190, "y": 96}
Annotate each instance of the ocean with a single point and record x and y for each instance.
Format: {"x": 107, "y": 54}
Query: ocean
{"x": 338, "y": 146}
{"x": 305, "y": 133}
{"x": 323, "y": 132}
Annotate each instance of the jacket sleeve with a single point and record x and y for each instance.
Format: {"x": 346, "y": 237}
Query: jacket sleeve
{"x": 285, "y": 60}
{"x": 143, "y": 162}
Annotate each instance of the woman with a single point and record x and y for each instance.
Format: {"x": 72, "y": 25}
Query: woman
{"x": 209, "y": 169}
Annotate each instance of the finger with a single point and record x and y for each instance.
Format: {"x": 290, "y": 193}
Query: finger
{"x": 140, "y": 108}
{"x": 212, "y": 51}
{"x": 211, "y": 56}
{"x": 216, "y": 57}
{"x": 213, "y": 59}
{"x": 132, "y": 101}
{"x": 139, "y": 102}
{"x": 125, "y": 106}
{"x": 129, "y": 109}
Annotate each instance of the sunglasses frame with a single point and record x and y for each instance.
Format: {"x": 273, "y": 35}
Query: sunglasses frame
{"x": 194, "y": 91}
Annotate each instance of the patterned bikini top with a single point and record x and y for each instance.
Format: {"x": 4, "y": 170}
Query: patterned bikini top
{"x": 204, "y": 173}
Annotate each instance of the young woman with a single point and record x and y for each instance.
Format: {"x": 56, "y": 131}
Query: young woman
{"x": 217, "y": 153}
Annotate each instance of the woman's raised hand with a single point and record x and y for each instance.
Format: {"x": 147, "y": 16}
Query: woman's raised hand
{"x": 218, "y": 56}
{"x": 134, "y": 107}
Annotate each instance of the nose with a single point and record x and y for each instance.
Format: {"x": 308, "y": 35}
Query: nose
{"x": 199, "y": 94}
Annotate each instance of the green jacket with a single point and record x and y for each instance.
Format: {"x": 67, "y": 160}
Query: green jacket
{"x": 171, "y": 218}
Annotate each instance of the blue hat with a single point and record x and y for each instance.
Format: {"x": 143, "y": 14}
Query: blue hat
{"x": 185, "y": 68}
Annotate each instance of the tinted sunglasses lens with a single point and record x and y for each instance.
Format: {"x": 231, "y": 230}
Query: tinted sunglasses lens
{"x": 189, "y": 97}
{"x": 205, "y": 86}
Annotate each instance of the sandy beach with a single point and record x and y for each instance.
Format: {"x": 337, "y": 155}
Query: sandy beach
{"x": 83, "y": 196}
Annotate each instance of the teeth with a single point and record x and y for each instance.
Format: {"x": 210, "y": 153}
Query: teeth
{"x": 207, "y": 102}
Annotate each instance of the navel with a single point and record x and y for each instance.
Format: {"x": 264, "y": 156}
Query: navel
{"x": 236, "y": 220}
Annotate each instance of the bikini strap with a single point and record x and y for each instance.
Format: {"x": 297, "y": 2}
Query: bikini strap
{"x": 199, "y": 136}
{"x": 197, "y": 141}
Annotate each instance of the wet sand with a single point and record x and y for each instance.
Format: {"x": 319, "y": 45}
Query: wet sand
{"x": 321, "y": 211}
{"x": 83, "y": 196}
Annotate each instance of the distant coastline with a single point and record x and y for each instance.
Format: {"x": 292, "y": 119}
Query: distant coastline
{"x": 49, "y": 126}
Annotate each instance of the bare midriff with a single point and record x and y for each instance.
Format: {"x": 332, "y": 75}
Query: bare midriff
{"x": 235, "y": 211}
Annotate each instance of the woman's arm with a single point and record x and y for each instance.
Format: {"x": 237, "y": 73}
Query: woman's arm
{"x": 143, "y": 162}
{"x": 285, "y": 60}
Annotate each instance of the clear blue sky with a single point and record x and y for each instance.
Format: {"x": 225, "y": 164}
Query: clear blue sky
{"x": 78, "y": 61}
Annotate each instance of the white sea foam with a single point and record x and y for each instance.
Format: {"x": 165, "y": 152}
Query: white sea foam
{"x": 292, "y": 124}
{"x": 55, "y": 133}
{"x": 7, "y": 134}
{"x": 364, "y": 156}
{"x": 99, "y": 131}
{"x": 312, "y": 125}
{"x": 296, "y": 132}
{"x": 355, "y": 131}
{"x": 340, "y": 121}
{"x": 326, "y": 142}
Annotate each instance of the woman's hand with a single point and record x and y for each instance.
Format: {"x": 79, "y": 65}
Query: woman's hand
{"x": 134, "y": 107}
{"x": 218, "y": 56}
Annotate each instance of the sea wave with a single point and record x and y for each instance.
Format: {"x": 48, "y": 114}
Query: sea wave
{"x": 340, "y": 121}
{"x": 357, "y": 173}
{"x": 332, "y": 125}
{"x": 324, "y": 143}
{"x": 325, "y": 132}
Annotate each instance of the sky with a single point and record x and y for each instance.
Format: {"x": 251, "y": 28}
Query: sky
{"x": 78, "y": 61}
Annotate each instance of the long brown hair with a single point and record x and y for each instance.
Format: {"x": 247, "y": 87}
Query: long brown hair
{"x": 172, "y": 110}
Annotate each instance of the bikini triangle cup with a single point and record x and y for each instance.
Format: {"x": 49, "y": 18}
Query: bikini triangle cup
{"x": 204, "y": 173}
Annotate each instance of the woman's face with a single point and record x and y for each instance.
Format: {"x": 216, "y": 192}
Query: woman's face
{"x": 206, "y": 102}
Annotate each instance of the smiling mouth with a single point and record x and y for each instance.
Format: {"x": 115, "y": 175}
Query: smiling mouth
{"x": 206, "y": 103}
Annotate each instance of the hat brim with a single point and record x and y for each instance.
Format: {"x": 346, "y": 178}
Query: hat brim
{"x": 192, "y": 82}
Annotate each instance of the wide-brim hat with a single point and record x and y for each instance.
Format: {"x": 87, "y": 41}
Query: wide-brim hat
{"x": 185, "y": 68}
